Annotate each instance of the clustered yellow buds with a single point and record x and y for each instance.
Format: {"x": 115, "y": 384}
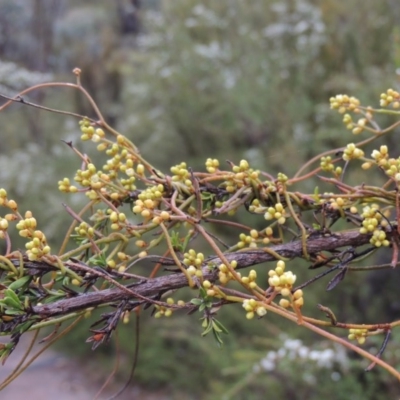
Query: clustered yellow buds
{"x": 209, "y": 287}
{"x": 390, "y": 97}
{"x": 11, "y": 204}
{"x": 194, "y": 262}
{"x": 84, "y": 177}
{"x": 152, "y": 193}
{"x": 149, "y": 201}
{"x": 277, "y": 212}
{"x": 193, "y": 258}
{"x": 256, "y": 207}
{"x": 361, "y": 123}
{"x": 351, "y": 152}
{"x": 242, "y": 167}
{"x": 3, "y": 227}
{"x": 296, "y": 299}
{"x": 326, "y": 164}
{"x": 66, "y": 187}
{"x": 279, "y": 279}
{"x": 283, "y": 282}
{"x": 381, "y": 156}
{"x": 336, "y": 203}
{"x": 248, "y": 240}
{"x": 358, "y": 334}
{"x": 356, "y": 127}
{"x": 253, "y": 308}
{"x": 164, "y": 311}
{"x": 242, "y": 175}
{"x": 372, "y": 223}
{"x": 282, "y": 178}
{"x": 343, "y": 103}
{"x": 268, "y": 233}
{"x": 224, "y": 274}
{"x": 5, "y": 202}
{"x": 212, "y": 165}
{"x": 251, "y": 279}
{"x": 84, "y": 230}
{"x": 145, "y": 208}
{"x": 348, "y": 121}
{"x": 391, "y": 166}
{"x": 37, "y": 247}
{"x": 181, "y": 174}
{"x": 90, "y": 133}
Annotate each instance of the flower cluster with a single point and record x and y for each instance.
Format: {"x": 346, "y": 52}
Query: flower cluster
{"x": 343, "y": 103}
{"x": 3, "y": 227}
{"x": 181, "y": 174}
{"x": 5, "y": 202}
{"x": 277, "y": 212}
{"x": 194, "y": 261}
{"x": 248, "y": 240}
{"x": 391, "y": 166}
{"x": 89, "y": 132}
{"x": 359, "y": 126}
{"x": 390, "y": 97}
{"x": 326, "y": 164}
{"x": 84, "y": 177}
{"x": 253, "y": 307}
{"x": 268, "y": 235}
{"x": 163, "y": 311}
{"x": 283, "y": 282}
{"x": 149, "y": 200}
{"x": 256, "y": 207}
{"x": 84, "y": 230}
{"x": 296, "y": 299}
{"x": 351, "y": 152}
{"x": 251, "y": 279}
{"x": 336, "y": 203}
{"x": 37, "y": 247}
{"x": 117, "y": 219}
{"x": 372, "y": 223}
{"x": 242, "y": 175}
{"x": 224, "y": 274}
{"x": 209, "y": 287}
{"x": 279, "y": 279}
{"x": 66, "y": 187}
{"x": 212, "y": 165}
{"x": 381, "y": 156}
{"x": 358, "y": 334}
{"x": 121, "y": 161}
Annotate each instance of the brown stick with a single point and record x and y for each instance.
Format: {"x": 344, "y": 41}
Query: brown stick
{"x": 160, "y": 284}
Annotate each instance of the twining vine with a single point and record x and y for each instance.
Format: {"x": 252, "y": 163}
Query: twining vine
{"x": 133, "y": 205}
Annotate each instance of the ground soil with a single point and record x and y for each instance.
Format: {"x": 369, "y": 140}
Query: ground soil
{"x": 54, "y": 376}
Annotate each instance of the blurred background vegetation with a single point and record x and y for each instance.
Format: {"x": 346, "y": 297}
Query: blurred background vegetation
{"x": 186, "y": 80}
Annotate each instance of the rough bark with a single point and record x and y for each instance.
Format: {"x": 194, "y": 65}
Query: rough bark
{"x": 244, "y": 259}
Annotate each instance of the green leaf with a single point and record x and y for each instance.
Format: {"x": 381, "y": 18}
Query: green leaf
{"x": 13, "y": 312}
{"x": 99, "y": 260}
{"x": 11, "y": 294}
{"x": 11, "y": 300}
{"x": 221, "y": 327}
{"x": 19, "y": 283}
{"x": 216, "y": 327}
{"x": 208, "y": 329}
{"x": 218, "y": 338}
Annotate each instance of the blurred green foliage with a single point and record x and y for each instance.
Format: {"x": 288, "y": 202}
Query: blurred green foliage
{"x": 187, "y": 80}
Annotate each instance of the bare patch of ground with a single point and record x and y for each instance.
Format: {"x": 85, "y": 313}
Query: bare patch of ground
{"x": 55, "y": 376}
